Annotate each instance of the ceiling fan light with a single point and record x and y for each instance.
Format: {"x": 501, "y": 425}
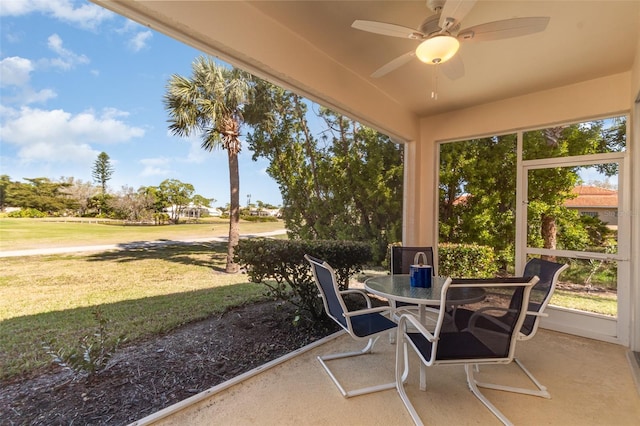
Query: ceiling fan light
{"x": 437, "y": 49}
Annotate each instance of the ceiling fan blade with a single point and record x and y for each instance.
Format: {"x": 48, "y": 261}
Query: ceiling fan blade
{"x": 453, "y": 68}
{"x": 396, "y": 63}
{"x": 454, "y": 11}
{"x": 507, "y": 28}
{"x": 387, "y": 29}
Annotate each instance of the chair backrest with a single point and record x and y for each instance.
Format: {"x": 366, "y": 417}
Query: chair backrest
{"x": 325, "y": 279}
{"x": 403, "y": 257}
{"x": 493, "y": 326}
{"x": 548, "y": 274}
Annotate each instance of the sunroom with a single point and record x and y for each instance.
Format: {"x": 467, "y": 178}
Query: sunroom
{"x": 580, "y": 67}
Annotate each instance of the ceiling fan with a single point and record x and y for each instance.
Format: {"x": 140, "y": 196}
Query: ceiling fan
{"x": 440, "y": 35}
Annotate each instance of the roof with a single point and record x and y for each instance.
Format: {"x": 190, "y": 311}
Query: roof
{"x": 592, "y": 196}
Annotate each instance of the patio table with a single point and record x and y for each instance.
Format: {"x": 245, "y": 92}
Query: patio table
{"x": 398, "y": 288}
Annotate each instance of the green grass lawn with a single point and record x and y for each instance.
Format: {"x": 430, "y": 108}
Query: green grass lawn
{"x": 142, "y": 292}
{"x": 605, "y": 304}
{"x": 20, "y": 234}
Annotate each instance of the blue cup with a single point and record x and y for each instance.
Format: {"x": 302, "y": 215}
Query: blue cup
{"x": 420, "y": 276}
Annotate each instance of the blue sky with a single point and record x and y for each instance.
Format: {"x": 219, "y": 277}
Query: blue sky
{"x": 76, "y": 80}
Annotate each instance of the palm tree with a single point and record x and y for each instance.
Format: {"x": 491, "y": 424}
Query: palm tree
{"x": 210, "y": 104}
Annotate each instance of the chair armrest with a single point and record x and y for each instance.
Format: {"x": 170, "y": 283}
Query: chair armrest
{"x": 381, "y": 309}
{"x": 414, "y": 322}
{"x": 357, "y": 291}
{"x": 493, "y": 280}
{"x": 480, "y": 313}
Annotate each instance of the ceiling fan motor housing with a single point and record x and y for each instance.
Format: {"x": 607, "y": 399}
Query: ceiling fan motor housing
{"x": 431, "y": 26}
{"x": 436, "y": 5}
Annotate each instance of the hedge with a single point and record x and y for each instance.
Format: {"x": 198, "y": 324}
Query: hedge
{"x": 281, "y": 266}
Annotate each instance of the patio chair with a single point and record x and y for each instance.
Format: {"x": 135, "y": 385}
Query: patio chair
{"x": 548, "y": 273}
{"x": 401, "y": 259}
{"x": 363, "y": 324}
{"x": 479, "y": 343}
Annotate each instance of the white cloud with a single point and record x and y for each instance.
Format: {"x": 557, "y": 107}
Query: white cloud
{"x": 15, "y": 75}
{"x": 139, "y": 40}
{"x": 158, "y": 161}
{"x": 66, "y": 59}
{"x": 155, "y": 166}
{"x": 59, "y": 136}
{"x": 138, "y": 35}
{"x": 30, "y": 96}
{"x": 15, "y": 71}
{"x": 196, "y": 154}
{"x": 85, "y": 15}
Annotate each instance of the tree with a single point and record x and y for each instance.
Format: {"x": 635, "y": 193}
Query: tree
{"x": 549, "y": 188}
{"x": 81, "y": 192}
{"x": 210, "y": 104}
{"x": 478, "y": 193}
{"x": 102, "y": 171}
{"x": 177, "y": 195}
{"x": 346, "y": 186}
{"x": 41, "y": 194}
{"x": 477, "y": 188}
{"x": 5, "y": 184}
{"x": 132, "y": 205}
{"x": 200, "y": 201}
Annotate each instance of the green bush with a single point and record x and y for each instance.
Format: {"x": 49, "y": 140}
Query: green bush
{"x": 28, "y": 212}
{"x": 460, "y": 260}
{"x": 249, "y": 218}
{"x": 281, "y": 266}
{"x": 466, "y": 261}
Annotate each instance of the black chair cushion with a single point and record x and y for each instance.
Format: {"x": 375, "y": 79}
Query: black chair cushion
{"x": 455, "y": 346}
{"x": 370, "y": 323}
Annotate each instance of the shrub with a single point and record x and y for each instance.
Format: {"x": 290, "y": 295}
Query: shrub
{"x": 460, "y": 260}
{"x": 280, "y": 265}
{"x": 93, "y": 351}
{"x": 249, "y": 218}
{"x": 28, "y": 212}
{"x": 466, "y": 260}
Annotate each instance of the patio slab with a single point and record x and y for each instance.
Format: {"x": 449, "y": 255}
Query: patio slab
{"x": 590, "y": 382}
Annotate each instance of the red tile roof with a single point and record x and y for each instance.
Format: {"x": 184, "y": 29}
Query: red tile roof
{"x": 592, "y": 196}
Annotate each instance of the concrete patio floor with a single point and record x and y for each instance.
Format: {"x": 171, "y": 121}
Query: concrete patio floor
{"x": 591, "y": 383}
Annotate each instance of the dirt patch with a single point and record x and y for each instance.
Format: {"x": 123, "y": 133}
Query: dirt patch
{"x": 146, "y": 377}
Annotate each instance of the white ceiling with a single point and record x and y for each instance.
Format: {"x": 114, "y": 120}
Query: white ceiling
{"x": 584, "y": 40}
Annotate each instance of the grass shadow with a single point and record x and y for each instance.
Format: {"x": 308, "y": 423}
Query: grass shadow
{"x": 21, "y": 338}
{"x": 210, "y": 255}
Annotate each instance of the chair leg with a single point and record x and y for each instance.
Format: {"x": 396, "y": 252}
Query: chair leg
{"x": 541, "y": 391}
{"x": 347, "y": 394}
{"x": 468, "y": 368}
{"x": 403, "y": 358}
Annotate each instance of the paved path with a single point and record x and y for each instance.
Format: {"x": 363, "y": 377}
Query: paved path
{"x": 126, "y": 246}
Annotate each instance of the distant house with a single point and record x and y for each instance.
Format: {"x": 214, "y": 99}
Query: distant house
{"x": 596, "y": 202}
{"x": 265, "y": 212}
{"x": 192, "y": 211}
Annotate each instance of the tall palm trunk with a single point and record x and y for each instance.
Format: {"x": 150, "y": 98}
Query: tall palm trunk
{"x": 234, "y": 210}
